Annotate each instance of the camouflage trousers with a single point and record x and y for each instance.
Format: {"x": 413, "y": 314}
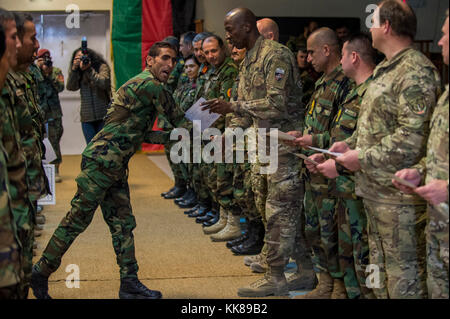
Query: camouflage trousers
{"x": 242, "y": 191}
{"x": 199, "y": 185}
{"x": 55, "y": 132}
{"x": 108, "y": 188}
{"x": 179, "y": 170}
{"x": 259, "y": 188}
{"x": 353, "y": 246}
{"x": 11, "y": 292}
{"x": 397, "y": 249}
{"x": 283, "y": 207}
{"x": 209, "y": 174}
{"x": 226, "y": 187}
{"x": 437, "y": 252}
{"x": 321, "y": 227}
{"x": 25, "y": 218}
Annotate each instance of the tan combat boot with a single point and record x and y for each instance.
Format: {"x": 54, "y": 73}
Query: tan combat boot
{"x": 323, "y": 289}
{"x": 57, "y": 177}
{"x": 231, "y": 231}
{"x": 272, "y": 284}
{"x": 40, "y": 219}
{"x": 261, "y": 265}
{"x": 302, "y": 280}
{"x": 217, "y": 227}
{"x": 339, "y": 291}
{"x": 248, "y": 260}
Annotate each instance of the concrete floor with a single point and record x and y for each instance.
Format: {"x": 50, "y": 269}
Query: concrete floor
{"x": 174, "y": 255}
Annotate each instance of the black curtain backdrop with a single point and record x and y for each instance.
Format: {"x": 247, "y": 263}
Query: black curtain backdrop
{"x": 183, "y": 14}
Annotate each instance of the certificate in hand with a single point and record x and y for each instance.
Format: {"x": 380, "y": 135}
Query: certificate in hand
{"x": 325, "y": 151}
{"x": 195, "y": 113}
{"x": 404, "y": 182}
{"x": 284, "y": 136}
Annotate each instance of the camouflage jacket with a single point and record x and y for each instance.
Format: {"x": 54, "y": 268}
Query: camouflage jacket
{"x": 269, "y": 88}
{"x": 219, "y": 85}
{"x": 308, "y": 85}
{"x": 435, "y": 164}
{"x": 16, "y": 162}
{"x": 342, "y": 127}
{"x": 393, "y": 125}
{"x": 330, "y": 92}
{"x": 129, "y": 121}
{"x": 49, "y": 91}
{"x": 177, "y": 77}
{"x": 31, "y": 130}
{"x": 10, "y": 268}
{"x": 203, "y": 75}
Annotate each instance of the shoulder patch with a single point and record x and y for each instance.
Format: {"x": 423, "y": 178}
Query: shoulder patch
{"x": 279, "y": 74}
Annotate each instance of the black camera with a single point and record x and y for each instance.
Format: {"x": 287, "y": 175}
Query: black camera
{"x": 85, "y": 57}
{"x": 48, "y": 61}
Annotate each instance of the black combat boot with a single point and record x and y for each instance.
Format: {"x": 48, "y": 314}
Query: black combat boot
{"x": 191, "y": 210}
{"x": 189, "y": 193}
{"x": 210, "y": 215}
{"x": 132, "y": 288}
{"x": 177, "y": 192}
{"x": 255, "y": 241}
{"x": 170, "y": 190}
{"x": 188, "y": 201}
{"x": 238, "y": 240}
{"x": 212, "y": 221}
{"x": 39, "y": 284}
{"x": 202, "y": 211}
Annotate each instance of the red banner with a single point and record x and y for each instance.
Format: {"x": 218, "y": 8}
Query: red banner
{"x": 156, "y": 25}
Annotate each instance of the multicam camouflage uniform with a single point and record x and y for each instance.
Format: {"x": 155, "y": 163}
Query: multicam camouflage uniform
{"x": 104, "y": 174}
{"x": 351, "y": 217}
{"x": 50, "y": 104}
{"x": 270, "y": 93}
{"x": 321, "y": 219}
{"x": 392, "y": 131}
{"x": 22, "y": 210}
{"x": 10, "y": 266}
{"x": 435, "y": 165}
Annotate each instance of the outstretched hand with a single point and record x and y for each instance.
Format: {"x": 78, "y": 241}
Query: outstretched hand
{"x": 217, "y": 106}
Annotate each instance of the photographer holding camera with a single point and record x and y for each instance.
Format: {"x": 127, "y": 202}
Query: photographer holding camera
{"x": 90, "y": 74}
{"x": 51, "y": 86}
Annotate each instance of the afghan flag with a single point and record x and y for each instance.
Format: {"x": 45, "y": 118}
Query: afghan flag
{"x": 136, "y": 25}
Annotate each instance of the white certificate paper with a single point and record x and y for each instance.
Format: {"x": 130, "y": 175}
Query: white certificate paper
{"x": 195, "y": 113}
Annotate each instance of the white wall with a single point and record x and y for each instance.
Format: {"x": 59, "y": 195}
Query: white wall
{"x": 430, "y": 15}
{"x": 55, "y": 5}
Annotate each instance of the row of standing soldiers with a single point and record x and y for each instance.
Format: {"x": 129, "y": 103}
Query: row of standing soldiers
{"x": 27, "y": 99}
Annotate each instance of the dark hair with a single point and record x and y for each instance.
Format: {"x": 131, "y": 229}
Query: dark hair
{"x": 21, "y": 18}
{"x": 188, "y": 37}
{"x": 401, "y": 17}
{"x": 214, "y": 36}
{"x": 157, "y": 46}
{"x": 302, "y": 49}
{"x": 5, "y": 15}
{"x": 201, "y": 36}
{"x": 174, "y": 41}
{"x": 2, "y": 41}
{"x": 96, "y": 59}
{"x": 362, "y": 44}
{"x": 192, "y": 57}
